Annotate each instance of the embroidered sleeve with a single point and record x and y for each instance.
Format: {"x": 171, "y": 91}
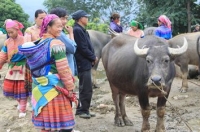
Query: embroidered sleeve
{"x": 58, "y": 52}
{"x": 27, "y": 35}
{"x": 3, "y": 55}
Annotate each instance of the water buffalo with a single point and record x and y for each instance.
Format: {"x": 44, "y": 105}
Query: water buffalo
{"x": 189, "y": 57}
{"x": 135, "y": 67}
{"x": 99, "y": 40}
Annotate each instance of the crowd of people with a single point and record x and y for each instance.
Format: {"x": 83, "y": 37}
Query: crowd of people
{"x": 44, "y": 61}
{"x": 42, "y": 65}
{"x": 136, "y": 28}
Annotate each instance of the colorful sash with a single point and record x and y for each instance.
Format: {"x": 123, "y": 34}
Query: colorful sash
{"x": 44, "y": 91}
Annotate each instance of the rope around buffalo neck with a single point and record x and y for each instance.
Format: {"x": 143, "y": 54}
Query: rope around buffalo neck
{"x": 173, "y": 107}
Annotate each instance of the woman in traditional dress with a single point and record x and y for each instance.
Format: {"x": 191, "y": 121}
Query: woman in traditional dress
{"x": 136, "y": 29}
{"x": 164, "y": 29}
{"x": 53, "y": 81}
{"x": 14, "y": 84}
{"x": 32, "y": 33}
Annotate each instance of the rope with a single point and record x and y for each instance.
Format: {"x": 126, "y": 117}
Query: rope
{"x": 193, "y": 83}
{"x": 173, "y": 107}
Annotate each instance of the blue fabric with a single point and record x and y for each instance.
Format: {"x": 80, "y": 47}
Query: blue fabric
{"x": 38, "y": 55}
{"x": 55, "y": 125}
{"x": 4, "y": 49}
{"x": 116, "y": 27}
{"x": 70, "y": 51}
{"x": 85, "y": 53}
{"x": 17, "y": 57}
{"x": 163, "y": 32}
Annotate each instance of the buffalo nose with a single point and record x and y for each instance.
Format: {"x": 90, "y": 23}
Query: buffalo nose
{"x": 156, "y": 79}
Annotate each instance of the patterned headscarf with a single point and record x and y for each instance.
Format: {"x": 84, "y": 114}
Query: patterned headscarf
{"x": 45, "y": 22}
{"x": 136, "y": 24}
{"x": 165, "y": 20}
{"x": 9, "y": 23}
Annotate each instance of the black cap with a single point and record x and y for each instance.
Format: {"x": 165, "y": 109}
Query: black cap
{"x": 78, "y": 14}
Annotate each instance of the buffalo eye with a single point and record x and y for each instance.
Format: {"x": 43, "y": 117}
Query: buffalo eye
{"x": 149, "y": 60}
{"x": 166, "y": 59}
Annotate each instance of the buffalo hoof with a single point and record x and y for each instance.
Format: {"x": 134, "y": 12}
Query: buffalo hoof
{"x": 145, "y": 130}
{"x": 160, "y": 130}
{"x": 183, "y": 90}
{"x": 145, "y": 127}
{"x": 119, "y": 122}
{"x": 127, "y": 122}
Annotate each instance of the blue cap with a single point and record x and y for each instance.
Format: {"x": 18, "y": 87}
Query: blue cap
{"x": 78, "y": 14}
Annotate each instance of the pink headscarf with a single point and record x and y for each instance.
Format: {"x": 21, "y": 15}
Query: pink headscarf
{"x": 45, "y": 22}
{"x": 14, "y": 24}
{"x": 165, "y": 20}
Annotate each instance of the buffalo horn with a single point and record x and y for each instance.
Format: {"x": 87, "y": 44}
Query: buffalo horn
{"x": 138, "y": 51}
{"x": 179, "y": 51}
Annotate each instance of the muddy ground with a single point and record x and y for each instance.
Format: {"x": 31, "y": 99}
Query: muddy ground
{"x": 185, "y": 108}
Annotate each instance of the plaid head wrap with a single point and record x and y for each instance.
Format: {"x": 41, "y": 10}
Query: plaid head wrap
{"x": 45, "y": 23}
{"x": 14, "y": 24}
{"x": 165, "y": 20}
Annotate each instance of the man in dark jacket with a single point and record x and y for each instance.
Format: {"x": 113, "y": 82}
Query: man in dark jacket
{"x": 85, "y": 59}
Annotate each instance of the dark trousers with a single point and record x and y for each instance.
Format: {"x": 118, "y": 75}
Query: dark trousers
{"x": 85, "y": 91}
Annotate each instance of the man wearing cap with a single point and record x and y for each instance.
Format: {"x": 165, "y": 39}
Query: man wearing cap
{"x": 85, "y": 59}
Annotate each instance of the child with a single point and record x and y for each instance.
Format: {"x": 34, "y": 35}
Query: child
{"x": 14, "y": 83}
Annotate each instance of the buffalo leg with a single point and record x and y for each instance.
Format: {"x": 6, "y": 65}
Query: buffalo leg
{"x": 94, "y": 77}
{"x": 118, "y": 117}
{"x": 184, "y": 87}
{"x": 123, "y": 111}
{"x": 145, "y": 110}
{"x": 160, "y": 127}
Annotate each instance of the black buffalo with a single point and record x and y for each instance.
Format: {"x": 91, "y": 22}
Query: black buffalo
{"x": 141, "y": 67}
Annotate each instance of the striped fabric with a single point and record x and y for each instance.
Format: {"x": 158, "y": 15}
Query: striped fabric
{"x": 28, "y": 79}
{"x": 37, "y": 56}
{"x": 56, "y": 115}
{"x": 15, "y": 89}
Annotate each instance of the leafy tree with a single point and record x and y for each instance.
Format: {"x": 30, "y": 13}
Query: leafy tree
{"x": 98, "y": 9}
{"x": 127, "y": 9}
{"x": 72, "y": 6}
{"x": 95, "y": 25}
{"x": 182, "y": 13}
{"x": 10, "y": 10}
